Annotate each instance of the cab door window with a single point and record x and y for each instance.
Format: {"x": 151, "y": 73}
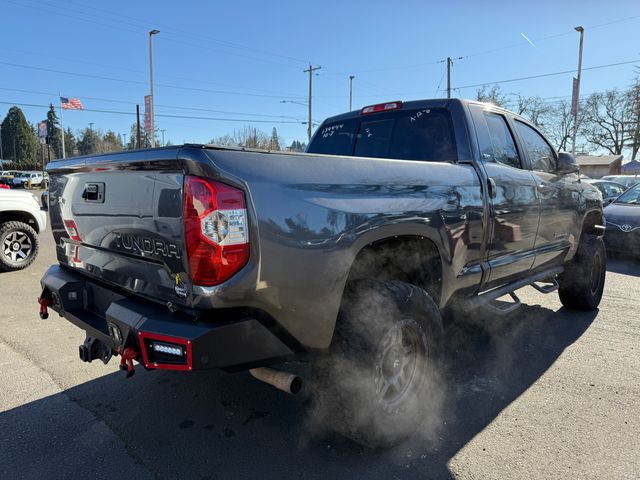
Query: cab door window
{"x": 540, "y": 154}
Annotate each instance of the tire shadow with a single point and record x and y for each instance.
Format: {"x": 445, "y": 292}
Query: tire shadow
{"x": 218, "y": 425}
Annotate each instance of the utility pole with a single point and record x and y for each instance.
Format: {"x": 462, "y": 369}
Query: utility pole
{"x": 310, "y": 70}
{"x": 577, "y": 92}
{"x": 91, "y": 126}
{"x": 1, "y": 155}
{"x": 124, "y": 141}
{"x": 163, "y": 130}
{"x": 138, "y": 125}
{"x": 153, "y": 134}
{"x": 449, "y": 64}
{"x": 351, "y": 77}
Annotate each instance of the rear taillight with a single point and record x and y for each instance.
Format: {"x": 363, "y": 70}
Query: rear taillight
{"x": 215, "y": 230}
{"x": 72, "y": 230}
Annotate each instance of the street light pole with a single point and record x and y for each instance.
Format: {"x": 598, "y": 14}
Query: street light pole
{"x": 152, "y": 137}
{"x": 310, "y": 70}
{"x": 351, "y": 77}
{"x": 577, "y": 100}
{"x": 449, "y": 63}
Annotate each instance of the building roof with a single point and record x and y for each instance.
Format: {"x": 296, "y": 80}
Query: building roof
{"x": 603, "y": 160}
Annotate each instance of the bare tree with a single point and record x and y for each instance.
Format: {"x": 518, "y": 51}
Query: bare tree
{"x": 247, "y": 137}
{"x": 608, "y": 121}
{"x": 533, "y": 109}
{"x": 635, "y": 121}
{"x": 557, "y": 123}
{"x": 491, "y": 95}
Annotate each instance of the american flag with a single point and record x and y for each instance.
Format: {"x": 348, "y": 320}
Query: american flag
{"x": 71, "y": 103}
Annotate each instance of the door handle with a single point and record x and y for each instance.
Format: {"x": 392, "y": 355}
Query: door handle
{"x": 492, "y": 187}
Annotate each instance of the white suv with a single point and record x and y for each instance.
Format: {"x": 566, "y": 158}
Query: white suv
{"x": 21, "y": 219}
{"x": 33, "y": 179}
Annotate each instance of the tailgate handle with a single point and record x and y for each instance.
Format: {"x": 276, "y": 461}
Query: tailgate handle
{"x": 93, "y": 192}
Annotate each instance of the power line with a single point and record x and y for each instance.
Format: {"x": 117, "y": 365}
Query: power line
{"x": 542, "y": 75}
{"x": 131, "y": 102}
{"x": 118, "y": 67}
{"x": 164, "y": 115}
{"x": 509, "y": 80}
{"x": 139, "y": 82}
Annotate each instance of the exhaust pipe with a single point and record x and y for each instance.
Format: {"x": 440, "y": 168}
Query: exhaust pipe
{"x": 287, "y": 382}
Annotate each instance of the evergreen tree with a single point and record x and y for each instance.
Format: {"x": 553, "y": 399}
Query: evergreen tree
{"x": 274, "y": 143}
{"x": 69, "y": 143}
{"x": 90, "y": 142}
{"x": 18, "y": 139}
{"x": 55, "y": 136}
{"x": 297, "y": 146}
{"x": 111, "y": 142}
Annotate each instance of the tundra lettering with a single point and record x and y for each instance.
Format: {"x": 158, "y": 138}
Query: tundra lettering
{"x": 139, "y": 244}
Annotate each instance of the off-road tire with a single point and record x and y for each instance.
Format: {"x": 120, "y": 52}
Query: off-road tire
{"x": 379, "y": 325}
{"x": 582, "y": 282}
{"x": 10, "y": 233}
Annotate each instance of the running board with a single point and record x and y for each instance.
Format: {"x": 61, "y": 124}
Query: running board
{"x": 548, "y": 285}
{"x": 491, "y": 295}
{"x": 504, "y": 308}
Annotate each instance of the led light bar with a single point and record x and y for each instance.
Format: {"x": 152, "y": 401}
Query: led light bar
{"x": 168, "y": 349}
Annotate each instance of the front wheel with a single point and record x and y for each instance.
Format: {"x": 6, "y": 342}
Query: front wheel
{"x": 18, "y": 245}
{"x": 582, "y": 282}
{"x": 379, "y": 379}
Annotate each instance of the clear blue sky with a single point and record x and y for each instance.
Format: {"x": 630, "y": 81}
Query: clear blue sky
{"x": 253, "y": 53}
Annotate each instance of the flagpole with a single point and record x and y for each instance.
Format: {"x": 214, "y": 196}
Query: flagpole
{"x": 61, "y": 123}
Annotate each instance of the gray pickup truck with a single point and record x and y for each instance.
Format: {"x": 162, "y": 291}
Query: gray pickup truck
{"x": 353, "y": 255}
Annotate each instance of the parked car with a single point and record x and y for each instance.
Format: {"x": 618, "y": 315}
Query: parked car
{"x": 623, "y": 223}
{"x": 21, "y": 220}
{"x": 351, "y": 255}
{"x": 33, "y": 179}
{"x": 609, "y": 190}
{"x": 626, "y": 180}
{"x": 6, "y": 176}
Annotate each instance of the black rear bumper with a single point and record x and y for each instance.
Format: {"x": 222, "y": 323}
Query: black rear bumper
{"x": 119, "y": 321}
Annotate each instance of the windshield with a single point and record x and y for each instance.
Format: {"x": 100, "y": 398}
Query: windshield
{"x": 415, "y": 134}
{"x": 630, "y": 197}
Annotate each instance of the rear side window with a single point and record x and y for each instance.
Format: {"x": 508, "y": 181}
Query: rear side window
{"x": 424, "y": 134}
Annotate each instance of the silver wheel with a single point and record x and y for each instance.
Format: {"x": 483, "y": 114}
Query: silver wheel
{"x": 400, "y": 363}
{"x": 17, "y": 247}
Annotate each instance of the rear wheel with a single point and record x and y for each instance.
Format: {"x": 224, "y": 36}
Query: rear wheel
{"x": 379, "y": 379}
{"x": 18, "y": 245}
{"x": 582, "y": 282}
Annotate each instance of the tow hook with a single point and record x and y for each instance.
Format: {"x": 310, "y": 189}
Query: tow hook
{"x": 44, "y": 303}
{"x": 126, "y": 360}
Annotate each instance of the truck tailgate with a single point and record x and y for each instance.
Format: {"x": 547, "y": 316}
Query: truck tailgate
{"x": 120, "y": 220}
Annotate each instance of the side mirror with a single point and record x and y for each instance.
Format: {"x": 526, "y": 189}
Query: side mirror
{"x": 567, "y": 163}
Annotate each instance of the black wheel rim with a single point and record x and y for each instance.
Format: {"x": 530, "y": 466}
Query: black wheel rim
{"x": 17, "y": 247}
{"x": 400, "y": 364}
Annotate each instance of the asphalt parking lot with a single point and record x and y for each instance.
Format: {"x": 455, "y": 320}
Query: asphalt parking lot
{"x": 553, "y": 394}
